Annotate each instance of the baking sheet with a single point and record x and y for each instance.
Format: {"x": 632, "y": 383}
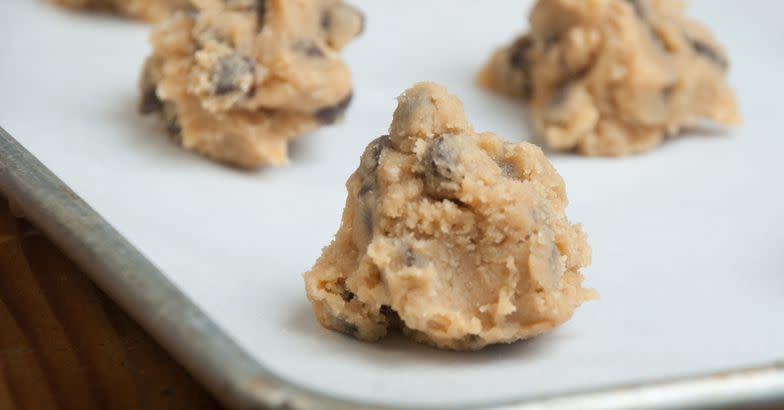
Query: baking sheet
{"x": 687, "y": 240}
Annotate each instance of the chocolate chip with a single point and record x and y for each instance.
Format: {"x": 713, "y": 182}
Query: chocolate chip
{"x": 411, "y": 258}
{"x": 442, "y": 159}
{"x": 261, "y": 12}
{"x": 658, "y": 39}
{"x": 344, "y": 326}
{"x": 528, "y": 90}
{"x": 704, "y": 49}
{"x": 666, "y": 92}
{"x": 392, "y": 317}
{"x": 150, "y": 102}
{"x": 639, "y": 8}
{"x": 326, "y": 20}
{"x": 508, "y": 170}
{"x": 330, "y": 115}
{"x": 364, "y": 189}
{"x": 192, "y": 12}
{"x": 519, "y": 60}
{"x": 309, "y": 48}
{"x": 368, "y": 164}
{"x": 367, "y": 220}
{"x": 379, "y": 145}
{"x": 173, "y": 127}
{"x": 171, "y": 119}
{"x": 347, "y": 295}
{"x": 441, "y": 162}
{"x": 518, "y": 57}
{"x": 229, "y": 73}
{"x": 372, "y": 154}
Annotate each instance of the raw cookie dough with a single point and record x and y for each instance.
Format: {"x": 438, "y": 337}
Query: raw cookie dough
{"x": 456, "y": 237}
{"x": 148, "y": 10}
{"x": 236, "y": 79}
{"x": 614, "y": 77}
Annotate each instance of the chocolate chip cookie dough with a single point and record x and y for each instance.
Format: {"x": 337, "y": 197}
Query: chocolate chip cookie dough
{"x": 237, "y": 79}
{"x": 148, "y": 10}
{"x": 614, "y": 77}
{"x": 454, "y": 236}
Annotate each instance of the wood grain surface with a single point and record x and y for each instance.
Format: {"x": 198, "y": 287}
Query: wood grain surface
{"x": 65, "y": 345}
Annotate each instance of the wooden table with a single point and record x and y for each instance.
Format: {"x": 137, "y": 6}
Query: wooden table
{"x": 65, "y": 345}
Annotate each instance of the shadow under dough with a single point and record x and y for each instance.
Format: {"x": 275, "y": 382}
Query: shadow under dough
{"x": 396, "y": 350}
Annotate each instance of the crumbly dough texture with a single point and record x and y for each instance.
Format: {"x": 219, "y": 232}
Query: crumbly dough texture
{"x": 147, "y": 10}
{"x": 614, "y": 77}
{"x": 236, "y": 79}
{"x": 456, "y": 237}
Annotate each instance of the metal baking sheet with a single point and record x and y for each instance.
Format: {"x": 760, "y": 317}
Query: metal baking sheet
{"x": 687, "y": 240}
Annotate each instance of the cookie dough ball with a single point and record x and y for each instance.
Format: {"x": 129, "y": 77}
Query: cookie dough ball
{"x": 147, "y": 10}
{"x": 614, "y": 77}
{"x": 456, "y": 237}
{"x": 237, "y": 79}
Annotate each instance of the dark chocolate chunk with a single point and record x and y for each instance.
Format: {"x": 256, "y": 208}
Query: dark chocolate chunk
{"x": 704, "y": 49}
{"x": 326, "y": 20}
{"x": 192, "y": 12}
{"x": 471, "y": 338}
{"x": 639, "y": 8}
{"x": 528, "y": 90}
{"x": 261, "y": 12}
{"x": 667, "y": 91}
{"x": 367, "y": 219}
{"x": 344, "y": 326}
{"x": 173, "y": 127}
{"x": 372, "y": 154}
{"x": 392, "y": 317}
{"x": 171, "y": 120}
{"x": 150, "y": 102}
{"x": 411, "y": 258}
{"x": 229, "y": 72}
{"x": 309, "y": 48}
{"x": 518, "y": 59}
{"x": 442, "y": 159}
{"x": 347, "y": 295}
{"x": 369, "y": 164}
{"x": 508, "y": 170}
{"x": 518, "y": 56}
{"x": 441, "y": 162}
{"x": 330, "y": 115}
{"x": 367, "y": 170}
{"x": 386, "y": 310}
{"x": 174, "y": 130}
{"x": 364, "y": 189}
